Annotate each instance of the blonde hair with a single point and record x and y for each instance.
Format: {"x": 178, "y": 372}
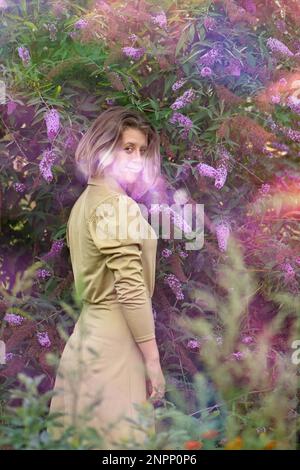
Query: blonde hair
{"x": 95, "y": 149}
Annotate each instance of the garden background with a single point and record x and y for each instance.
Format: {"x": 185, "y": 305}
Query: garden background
{"x": 220, "y": 81}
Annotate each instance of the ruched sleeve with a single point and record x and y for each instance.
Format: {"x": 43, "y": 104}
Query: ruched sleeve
{"x": 115, "y": 227}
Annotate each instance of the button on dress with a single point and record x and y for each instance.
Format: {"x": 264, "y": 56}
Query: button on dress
{"x": 101, "y": 373}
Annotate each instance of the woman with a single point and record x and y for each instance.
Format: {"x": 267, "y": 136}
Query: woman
{"x": 112, "y": 356}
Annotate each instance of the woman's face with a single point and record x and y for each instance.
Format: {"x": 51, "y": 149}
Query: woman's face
{"x": 129, "y": 156}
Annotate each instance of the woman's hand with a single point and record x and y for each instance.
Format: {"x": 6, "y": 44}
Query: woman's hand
{"x": 156, "y": 383}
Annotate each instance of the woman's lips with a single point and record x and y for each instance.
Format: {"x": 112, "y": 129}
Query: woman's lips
{"x": 134, "y": 169}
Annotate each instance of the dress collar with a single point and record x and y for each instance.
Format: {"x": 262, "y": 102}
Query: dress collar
{"x": 109, "y": 181}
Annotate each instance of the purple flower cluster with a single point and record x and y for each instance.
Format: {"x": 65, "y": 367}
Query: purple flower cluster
{"x": 52, "y": 123}
{"x": 183, "y": 254}
{"x": 289, "y": 272}
{"x": 294, "y": 104}
{"x": 81, "y": 24}
{"x": 248, "y": 340}
{"x": 160, "y": 19}
{"x": 9, "y": 356}
{"x": 13, "y": 319}
{"x": 187, "y": 97}
{"x": 275, "y": 99}
{"x": 43, "y": 273}
{"x": 132, "y": 37}
{"x": 184, "y": 121}
{"x": 24, "y": 54}
{"x": 166, "y": 253}
{"x": 52, "y": 30}
{"x": 219, "y": 174}
{"x": 174, "y": 283}
{"x": 46, "y": 165}
{"x": 56, "y": 248}
{"x": 19, "y": 187}
{"x": 193, "y": 344}
{"x": 264, "y": 189}
{"x": 134, "y": 53}
{"x": 234, "y": 68}
{"x": 277, "y": 46}
{"x": 287, "y": 131}
{"x": 209, "y": 58}
{"x": 206, "y": 72}
{"x": 209, "y": 23}
{"x": 222, "y": 233}
{"x": 239, "y": 355}
{"x": 43, "y": 339}
{"x": 178, "y": 84}
{"x": 250, "y": 7}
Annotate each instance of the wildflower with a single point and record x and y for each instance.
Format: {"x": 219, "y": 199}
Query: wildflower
{"x": 187, "y": 97}
{"x": 81, "y": 24}
{"x": 9, "y": 356}
{"x": 270, "y": 445}
{"x": 238, "y": 355}
{"x": 178, "y": 84}
{"x": 209, "y": 23}
{"x": 43, "y": 339}
{"x": 277, "y": 46}
{"x": 175, "y": 285}
{"x": 110, "y": 101}
{"x": 43, "y": 273}
{"x": 222, "y": 232}
{"x": 181, "y": 119}
{"x": 46, "y": 165}
{"x": 193, "y": 445}
{"x": 206, "y": 170}
{"x": 247, "y": 340}
{"x": 132, "y": 37}
{"x": 288, "y": 270}
{"x": 234, "y": 68}
{"x": 52, "y": 123}
{"x": 183, "y": 254}
{"x": 221, "y": 175}
{"x": 275, "y": 99}
{"x": 160, "y": 19}
{"x": 281, "y": 25}
{"x": 193, "y": 344}
{"x": 134, "y": 52}
{"x": 56, "y": 248}
{"x": 282, "y": 81}
{"x": 206, "y": 72}
{"x": 234, "y": 444}
{"x": 166, "y": 252}
{"x": 19, "y": 187}
{"x": 13, "y": 319}
{"x": 294, "y": 104}
{"x": 24, "y": 54}
{"x": 52, "y": 30}
{"x": 264, "y": 189}
{"x": 209, "y": 58}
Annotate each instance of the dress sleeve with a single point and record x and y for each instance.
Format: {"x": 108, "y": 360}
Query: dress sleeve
{"x": 114, "y": 228}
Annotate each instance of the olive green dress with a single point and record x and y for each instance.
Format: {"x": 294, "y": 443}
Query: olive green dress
{"x": 101, "y": 374}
